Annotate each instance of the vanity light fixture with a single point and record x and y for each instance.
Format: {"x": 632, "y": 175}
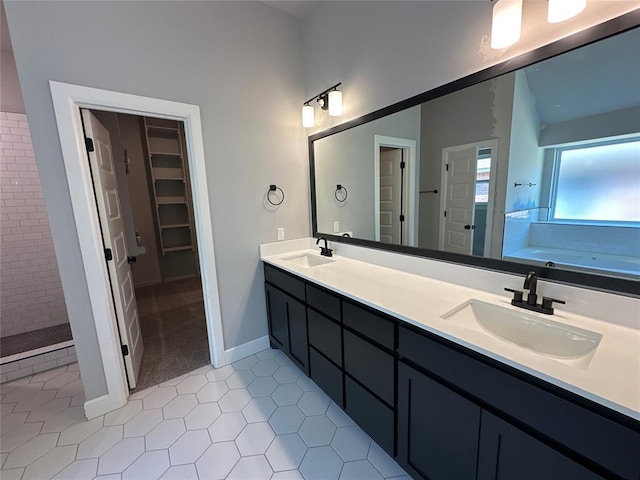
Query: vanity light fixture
{"x": 330, "y": 99}
{"x": 506, "y": 23}
{"x": 561, "y": 10}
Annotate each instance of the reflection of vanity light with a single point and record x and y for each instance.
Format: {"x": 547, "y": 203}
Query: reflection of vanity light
{"x": 330, "y": 99}
{"x": 506, "y": 23}
{"x": 308, "y": 119}
{"x": 561, "y": 10}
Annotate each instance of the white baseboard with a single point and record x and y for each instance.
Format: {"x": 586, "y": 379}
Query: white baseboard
{"x": 242, "y": 351}
{"x": 100, "y": 406}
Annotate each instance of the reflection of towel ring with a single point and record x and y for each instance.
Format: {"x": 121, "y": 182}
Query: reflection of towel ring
{"x": 273, "y": 188}
{"x": 346, "y": 193}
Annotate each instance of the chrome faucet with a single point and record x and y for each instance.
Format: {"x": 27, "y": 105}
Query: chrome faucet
{"x": 531, "y": 284}
{"x": 324, "y": 251}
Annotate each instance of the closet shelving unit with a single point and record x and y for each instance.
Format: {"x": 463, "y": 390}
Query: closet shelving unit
{"x": 169, "y": 177}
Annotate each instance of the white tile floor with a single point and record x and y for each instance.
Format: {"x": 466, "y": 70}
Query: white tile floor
{"x": 258, "y": 418}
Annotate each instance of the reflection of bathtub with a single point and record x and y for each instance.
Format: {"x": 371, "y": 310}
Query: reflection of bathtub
{"x": 588, "y": 261}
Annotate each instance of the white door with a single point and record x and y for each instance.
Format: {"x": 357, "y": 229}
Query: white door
{"x": 390, "y": 195}
{"x": 460, "y": 187}
{"x": 112, "y": 226}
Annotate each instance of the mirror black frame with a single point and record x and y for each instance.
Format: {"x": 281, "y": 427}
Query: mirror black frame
{"x": 599, "y": 32}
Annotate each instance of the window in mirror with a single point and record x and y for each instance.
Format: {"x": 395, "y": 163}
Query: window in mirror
{"x": 598, "y": 183}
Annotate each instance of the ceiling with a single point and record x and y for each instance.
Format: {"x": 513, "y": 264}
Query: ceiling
{"x": 297, "y": 8}
{"x": 602, "y": 77}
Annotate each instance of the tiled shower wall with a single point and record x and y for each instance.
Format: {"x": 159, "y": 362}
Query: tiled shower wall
{"x": 30, "y": 288}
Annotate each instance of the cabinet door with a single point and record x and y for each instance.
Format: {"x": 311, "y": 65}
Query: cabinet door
{"x": 507, "y": 452}
{"x": 277, "y": 315}
{"x": 298, "y": 347}
{"x": 437, "y": 428}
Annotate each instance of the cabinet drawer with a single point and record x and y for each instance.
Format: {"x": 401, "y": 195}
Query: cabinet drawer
{"x": 325, "y": 335}
{"x": 324, "y": 302}
{"x": 326, "y": 375}
{"x": 373, "y": 416}
{"x": 284, "y": 281}
{"x": 369, "y": 324}
{"x": 595, "y": 437}
{"x": 372, "y": 366}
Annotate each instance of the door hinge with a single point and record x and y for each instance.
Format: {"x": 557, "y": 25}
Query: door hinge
{"x": 125, "y": 350}
{"x": 89, "y": 143}
{"x": 108, "y": 254}
{"x": 403, "y": 165}
{"x": 445, "y": 213}
{"x": 446, "y": 166}
{"x": 402, "y": 218}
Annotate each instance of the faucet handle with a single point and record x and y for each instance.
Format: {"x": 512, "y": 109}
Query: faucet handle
{"x": 517, "y": 294}
{"x": 547, "y": 302}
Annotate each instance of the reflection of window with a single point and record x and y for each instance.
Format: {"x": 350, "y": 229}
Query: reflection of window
{"x": 483, "y": 172}
{"x": 598, "y": 183}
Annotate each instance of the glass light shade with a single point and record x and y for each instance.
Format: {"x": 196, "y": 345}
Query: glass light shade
{"x": 335, "y": 103}
{"x": 561, "y": 10}
{"x": 308, "y": 119}
{"x": 506, "y": 23}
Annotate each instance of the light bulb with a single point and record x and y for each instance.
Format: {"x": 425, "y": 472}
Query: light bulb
{"x": 506, "y": 23}
{"x": 561, "y": 10}
{"x": 308, "y": 119}
{"x": 335, "y": 103}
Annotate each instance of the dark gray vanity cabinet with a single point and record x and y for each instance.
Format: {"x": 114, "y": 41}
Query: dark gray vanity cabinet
{"x": 507, "y": 452}
{"x": 287, "y": 320}
{"x": 527, "y": 428}
{"x": 438, "y": 429}
{"x": 442, "y": 410}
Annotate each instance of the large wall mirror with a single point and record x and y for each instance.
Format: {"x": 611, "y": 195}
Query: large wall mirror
{"x": 534, "y": 165}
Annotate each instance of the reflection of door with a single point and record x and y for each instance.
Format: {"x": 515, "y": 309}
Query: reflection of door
{"x": 390, "y": 195}
{"x": 460, "y": 170}
{"x": 113, "y": 237}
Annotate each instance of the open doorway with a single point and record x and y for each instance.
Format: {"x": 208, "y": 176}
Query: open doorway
{"x": 394, "y": 190}
{"x": 146, "y": 208}
{"x": 468, "y": 186}
{"x": 68, "y": 101}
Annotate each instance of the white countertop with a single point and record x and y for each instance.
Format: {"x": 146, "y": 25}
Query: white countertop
{"x": 610, "y": 376}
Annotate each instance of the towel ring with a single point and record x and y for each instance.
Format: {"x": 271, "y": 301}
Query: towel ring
{"x": 273, "y": 188}
{"x": 346, "y": 193}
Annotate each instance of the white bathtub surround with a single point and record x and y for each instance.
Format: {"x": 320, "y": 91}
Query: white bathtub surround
{"x": 420, "y": 291}
{"x": 31, "y": 292}
{"x": 28, "y": 363}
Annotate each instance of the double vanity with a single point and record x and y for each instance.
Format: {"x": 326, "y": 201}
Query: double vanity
{"x": 455, "y": 382}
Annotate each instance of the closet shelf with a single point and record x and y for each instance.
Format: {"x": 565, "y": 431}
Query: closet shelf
{"x": 170, "y": 200}
{"x": 166, "y": 154}
{"x": 176, "y": 225}
{"x": 177, "y": 249}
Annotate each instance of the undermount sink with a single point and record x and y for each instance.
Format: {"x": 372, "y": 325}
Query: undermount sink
{"x": 307, "y": 260}
{"x": 543, "y": 336}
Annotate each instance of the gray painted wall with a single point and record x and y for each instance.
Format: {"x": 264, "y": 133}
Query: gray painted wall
{"x": 10, "y": 94}
{"x": 476, "y": 114}
{"x": 347, "y": 159}
{"x": 241, "y": 63}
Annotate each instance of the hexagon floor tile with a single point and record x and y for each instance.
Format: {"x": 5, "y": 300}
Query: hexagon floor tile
{"x": 260, "y": 417}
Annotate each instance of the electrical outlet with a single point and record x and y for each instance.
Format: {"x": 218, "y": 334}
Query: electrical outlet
{"x": 336, "y": 227}
{"x": 280, "y": 233}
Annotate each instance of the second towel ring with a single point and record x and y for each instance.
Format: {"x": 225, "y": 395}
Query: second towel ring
{"x": 274, "y": 188}
{"x": 346, "y": 193}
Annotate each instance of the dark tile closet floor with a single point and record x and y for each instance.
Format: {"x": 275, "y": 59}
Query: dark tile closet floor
{"x": 174, "y": 330}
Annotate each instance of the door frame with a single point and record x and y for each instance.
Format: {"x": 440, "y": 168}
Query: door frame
{"x": 67, "y": 101}
{"x": 411, "y": 215}
{"x": 493, "y": 144}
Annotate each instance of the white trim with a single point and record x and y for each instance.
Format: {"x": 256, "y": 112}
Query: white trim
{"x": 38, "y": 351}
{"x": 250, "y": 348}
{"x": 67, "y": 101}
{"x": 493, "y": 144}
{"x": 98, "y": 406}
{"x": 411, "y": 183}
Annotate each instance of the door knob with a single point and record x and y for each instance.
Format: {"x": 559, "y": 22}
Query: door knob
{"x": 131, "y": 259}
{"x": 469, "y": 227}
